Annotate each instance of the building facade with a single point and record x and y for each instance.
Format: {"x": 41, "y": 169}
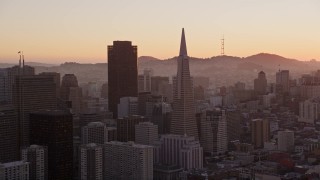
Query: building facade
{"x": 126, "y": 160}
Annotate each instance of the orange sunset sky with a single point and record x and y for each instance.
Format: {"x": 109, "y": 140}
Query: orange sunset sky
{"x": 80, "y": 30}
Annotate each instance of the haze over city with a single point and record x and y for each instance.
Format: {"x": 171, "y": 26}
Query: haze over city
{"x": 59, "y": 31}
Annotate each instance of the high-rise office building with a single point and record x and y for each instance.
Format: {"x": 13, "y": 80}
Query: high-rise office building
{"x": 56, "y": 78}
{"x": 213, "y": 131}
{"x": 32, "y": 93}
{"x": 91, "y": 162}
{"x": 4, "y": 91}
{"x": 233, "y": 124}
{"x": 146, "y": 133}
{"x": 260, "y": 84}
{"x": 180, "y": 150}
{"x": 104, "y": 90}
{"x": 126, "y": 127}
{"x": 282, "y": 81}
{"x": 144, "y": 81}
{"x": 12, "y": 73}
{"x": 94, "y": 132}
{"x": 161, "y": 116}
{"x": 126, "y": 160}
{"x": 142, "y": 102}
{"x": 68, "y": 81}
{"x": 286, "y": 141}
{"x": 183, "y": 116}
{"x": 9, "y": 133}
{"x": 54, "y": 130}
{"x": 122, "y": 73}
{"x": 37, "y": 156}
{"x": 260, "y": 131}
{"x": 14, "y": 170}
{"x": 127, "y": 106}
{"x": 158, "y": 84}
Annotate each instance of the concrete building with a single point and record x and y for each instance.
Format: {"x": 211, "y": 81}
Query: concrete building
{"x": 15, "y": 170}
{"x": 128, "y": 106}
{"x": 183, "y": 116}
{"x": 37, "y": 156}
{"x": 126, "y": 127}
{"x": 309, "y": 111}
{"x": 286, "y": 141}
{"x": 9, "y": 133}
{"x": 163, "y": 172}
{"x": 213, "y": 133}
{"x": 126, "y": 160}
{"x": 260, "y": 132}
{"x": 91, "y": 162}
{"x": 180, "y": 150}
{"x": 122, "y": 73}
{"x": 94, "y": 132}
{"x": 146, "y": 133}
{"x": 112, "y": 133}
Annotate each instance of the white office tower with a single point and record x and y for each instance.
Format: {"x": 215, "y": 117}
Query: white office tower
{"x": 14, "y": 170}
{"x": 146, "y": 133}
{"x": 309, "y": 110}
{"x": 286, "y": 141}
{"x": 37, "y": 156}
{"x": 91, "y": 162}
{"x": 183, "y": 116}
{"x": 180, "y": 150}
{"x": 94, "y": 132}
{"x": 213, "y": 125}
{"x": 128, "y": 106}
{"x": 144, "y": 81}
{"x": 126, "y": 160}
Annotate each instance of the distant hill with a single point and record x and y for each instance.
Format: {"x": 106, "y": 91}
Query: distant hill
{"x": 222, "y": 70}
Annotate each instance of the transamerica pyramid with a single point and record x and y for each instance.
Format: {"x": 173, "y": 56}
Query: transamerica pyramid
{"x": 183, "y": 116}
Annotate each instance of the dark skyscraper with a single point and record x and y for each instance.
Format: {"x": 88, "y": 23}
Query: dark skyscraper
{"x": 54, "y": 130}
{"x": 12, "y": 73}
{"x": 122, "y": 73}
{"x": 9, "y": 134}
{"x": 183, "y": 115}
{"x": 32, "y": 93}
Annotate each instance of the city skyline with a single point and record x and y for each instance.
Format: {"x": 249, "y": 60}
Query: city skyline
{"x": 55, "y": 32}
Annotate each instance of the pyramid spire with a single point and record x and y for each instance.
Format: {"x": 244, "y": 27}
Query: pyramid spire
{"x": 183, "y": 45}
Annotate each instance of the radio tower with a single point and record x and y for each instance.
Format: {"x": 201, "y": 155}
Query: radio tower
{"x": 222, "y": 46}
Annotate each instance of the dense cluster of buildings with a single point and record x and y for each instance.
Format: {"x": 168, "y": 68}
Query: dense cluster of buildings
{"x": 142, "y": 126}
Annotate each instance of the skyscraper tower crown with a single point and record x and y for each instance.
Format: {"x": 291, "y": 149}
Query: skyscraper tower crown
{"x": 183, "y": 45}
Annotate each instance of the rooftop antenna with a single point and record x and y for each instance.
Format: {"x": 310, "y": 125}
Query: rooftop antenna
{"x": 22, "y": 63}
{"x": 222, "y": 45}
{"x": 19, "y": 59}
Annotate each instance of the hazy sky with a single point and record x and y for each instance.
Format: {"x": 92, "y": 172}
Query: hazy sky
{"x": 56, "y": 31}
